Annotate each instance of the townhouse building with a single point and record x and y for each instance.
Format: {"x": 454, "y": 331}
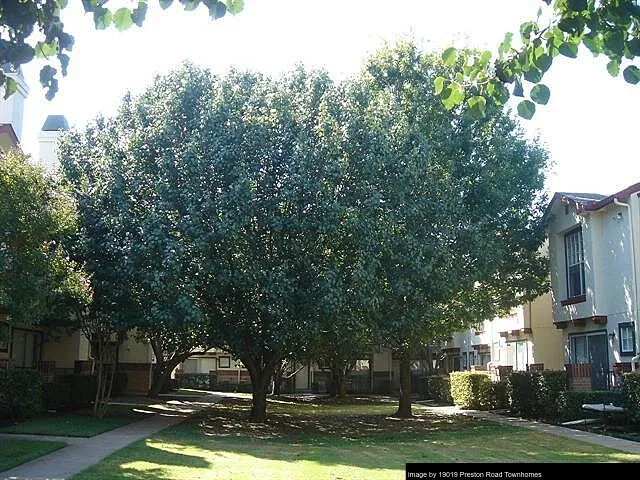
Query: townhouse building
{"x": 593, "y": 254}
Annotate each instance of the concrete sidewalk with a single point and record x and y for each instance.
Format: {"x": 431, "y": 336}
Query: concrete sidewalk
{"x": 593, "y": 438}
{"x": 82, "y": 453}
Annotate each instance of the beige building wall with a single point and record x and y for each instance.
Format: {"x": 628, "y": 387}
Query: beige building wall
{"x": 548, "y": 341}
{"x": 132, "y": 351}
{"x": 65, "y": 349}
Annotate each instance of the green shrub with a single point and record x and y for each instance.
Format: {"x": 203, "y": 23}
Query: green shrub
{"x": 83, "y": 389}
{"x": 225, "y": 386}
{"x": 199, "y": 381}
{"x": 499, "y": 398}
{"x": 572, "y": 401}
{"x": 471, "y": 390}
{"x": 537, "y": 394}
{"x": 245, "y": 387}
{"x": 57, "y": 395}
{"x": 20, "y": 393}
{"x": 631, "y": 394}
{"x": 439, "y": 389}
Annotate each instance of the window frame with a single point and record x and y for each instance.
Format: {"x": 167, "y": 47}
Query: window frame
{"x": 228, "y": 361}
{"x": 579, "y": 245}
{"x": 631, "y": 326}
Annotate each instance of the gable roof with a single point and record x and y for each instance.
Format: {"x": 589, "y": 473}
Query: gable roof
{"x": 590, "y": 202}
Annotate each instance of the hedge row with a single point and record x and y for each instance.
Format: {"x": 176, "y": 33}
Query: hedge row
{"x": 439, "y": 389}
{"x": 537, "y": 394}
{"x": 20, "y": 394}
{"x": 631, "y": 393}
{"x": 541, "y": 395}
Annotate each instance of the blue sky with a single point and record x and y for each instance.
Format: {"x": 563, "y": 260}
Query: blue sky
{"x": 589, "y": 126}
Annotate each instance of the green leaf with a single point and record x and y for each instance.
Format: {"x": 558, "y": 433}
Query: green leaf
{"x": 122, "y": 19}
{"x": 593, "y": 43}
{"x": 485, "y": 57}
{"x": 526, "y": 29}
{"x": 526, "y": 109}
{"x": 449, "y": 56}
{"x": 438, "y": 83}
{"x": 46, "y": 49}
{"x": 613, "y": 67}
{"x": 568, "y": 50}
{"x": 614, "y": 42}
{"x": 631, "y": 74}
{"x": 577, "y": 5}
{"x": 452, "y": 95}
{"x": 102, "y": 18}
{"x": 164, "y": 4}
{"x": 505, "y": 46}
{"x": 139, "y": 13}
{"x": 543, "y": 62}
{"x": 10, "y": 87}
{"x": 540, "y": 94}
{"x": 517, "y": 89}
{"x": 21, "y": 54}
{"x": 218, "y": 10}
{"x": 235, "y": 6}
{"x": 498, "y": 92}
{"x": 190, "y": 5}
{"x": 634, "y": 46}
{"x": 533, "y": 75}
{"x": 62, "y": 3}
{"x": 477, "y": 106}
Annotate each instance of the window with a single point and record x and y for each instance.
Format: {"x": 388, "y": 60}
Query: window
{"x": 579, "y": 351}
{"x": 224, "y": 362}
{"x": 575, "y": 263}
{"x": 627, "y": 338}
{"x": 484, "y": 358}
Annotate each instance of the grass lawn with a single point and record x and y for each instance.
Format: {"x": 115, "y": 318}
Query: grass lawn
{"x": 80, "y": 423}
{"x": 15, "y": 452}
{"x": 349, "y": 441}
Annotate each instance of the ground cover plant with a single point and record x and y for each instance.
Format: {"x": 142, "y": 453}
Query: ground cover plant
{"x": 15, "y": 452}
{"x": 331, "y": 439}
{"x": 80, "y": 423}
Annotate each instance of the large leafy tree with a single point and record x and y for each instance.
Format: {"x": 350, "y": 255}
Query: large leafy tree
{"x": 36, "y": 273}
{"x": 33, "y": 29}
{"x": 453, "y": 205}
{"x": 608, "y": 27}
{"x": 271, "y": 169}
{"x": 142, "y": 231}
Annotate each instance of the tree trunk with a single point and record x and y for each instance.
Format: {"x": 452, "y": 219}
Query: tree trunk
{"x": 404, "y": 405}
{"x": 159, "y": 380}
{"x": 162, "y": 373}
{"x": 342, "y": 386}
{"x": 259, "y": 401}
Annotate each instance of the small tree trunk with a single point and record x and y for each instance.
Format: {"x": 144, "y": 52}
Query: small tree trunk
{"x": 342, "y": 386}
{"x": 404, "y": 404}
{"x": 259, "y": 402}
{"x": 159, "y": 380}
{"x": 161, "y": 375}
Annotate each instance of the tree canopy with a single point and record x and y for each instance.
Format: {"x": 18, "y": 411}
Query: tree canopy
{"x": 267, "y": 216}
{"x": 610, "y": 28}
{"x": 33, "y": 29}
{"x": 36, "y": 272}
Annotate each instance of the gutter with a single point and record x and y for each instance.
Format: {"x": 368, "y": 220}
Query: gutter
{"x": 634, "y": 310}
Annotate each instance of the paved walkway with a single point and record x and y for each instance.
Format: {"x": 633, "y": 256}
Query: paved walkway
{"x": 594, "y": 438}
{"x": 81, "y": 453}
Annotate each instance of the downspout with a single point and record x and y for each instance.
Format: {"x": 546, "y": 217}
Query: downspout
{"x": 634, "y": 310}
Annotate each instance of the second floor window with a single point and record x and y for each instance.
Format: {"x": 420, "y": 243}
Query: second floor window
{"x": 575, "y": 263}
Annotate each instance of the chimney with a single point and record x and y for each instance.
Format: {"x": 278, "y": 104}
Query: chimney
{"x": 12, "y": 109}
{"x": 51, "y": 130}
